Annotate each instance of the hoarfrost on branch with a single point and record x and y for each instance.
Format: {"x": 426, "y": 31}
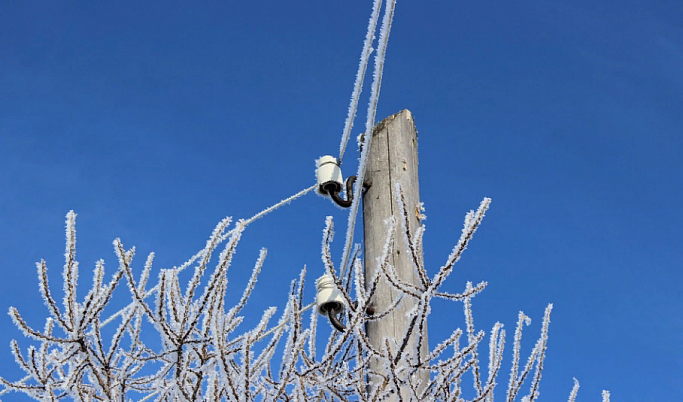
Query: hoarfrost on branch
{"x": 193, "y": 350}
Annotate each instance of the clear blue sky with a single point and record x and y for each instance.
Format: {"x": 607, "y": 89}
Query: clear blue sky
{"x": 153, "y": 120}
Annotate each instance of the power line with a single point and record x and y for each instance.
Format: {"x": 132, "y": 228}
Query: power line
{"x": 360, "y": 77}
{"x": 369, "y": 127}
{"x": 222, "y": 238}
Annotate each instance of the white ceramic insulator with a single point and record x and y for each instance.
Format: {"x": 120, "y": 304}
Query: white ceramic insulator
{"x": 329, "y": 172}
{"x": 327, "y": 294}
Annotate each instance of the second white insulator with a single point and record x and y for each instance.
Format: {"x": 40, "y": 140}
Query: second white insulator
{"x": 329, "y": 298}
{"x": 329, "y": 175}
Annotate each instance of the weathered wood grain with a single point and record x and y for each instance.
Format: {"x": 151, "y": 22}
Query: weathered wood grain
{"x": 393, "y": 159}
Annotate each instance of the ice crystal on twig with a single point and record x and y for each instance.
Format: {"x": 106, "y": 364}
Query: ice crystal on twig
{"x": 202, "y": 356}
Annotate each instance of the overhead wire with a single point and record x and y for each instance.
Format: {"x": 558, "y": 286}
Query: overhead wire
{"x": 222, "y": 238}
{"x": 360, "y": 77}
{"x": 369, "y": 127}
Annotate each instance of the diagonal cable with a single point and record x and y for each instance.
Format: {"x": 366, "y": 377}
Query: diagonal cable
{"x": 369, "y": 126}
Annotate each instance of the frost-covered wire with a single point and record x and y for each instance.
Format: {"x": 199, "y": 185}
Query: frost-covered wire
{"x": 279, "y": 204}
{"x": 360, "y": 77}
{"x": 369, "y": 127}
{"x": 222, "y": 238}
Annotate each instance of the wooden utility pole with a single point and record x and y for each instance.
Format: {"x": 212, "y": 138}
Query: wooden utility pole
{"x": 392, "y": 159}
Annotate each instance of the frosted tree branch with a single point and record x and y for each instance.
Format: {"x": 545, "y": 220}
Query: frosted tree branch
{"x": 202, "y": 356}
{"x": 213, "y": 362}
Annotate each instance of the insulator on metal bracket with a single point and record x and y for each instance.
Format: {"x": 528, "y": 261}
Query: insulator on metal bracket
{"x": 331, "y": 182}
{"x": 329, "y": 301}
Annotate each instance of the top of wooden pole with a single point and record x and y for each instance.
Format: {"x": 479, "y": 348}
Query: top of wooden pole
{"x": 392, "y": 159}
{"x": 408, "y": 116}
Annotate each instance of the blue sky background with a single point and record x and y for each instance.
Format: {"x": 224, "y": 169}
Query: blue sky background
{"x": 153, "y": 120}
